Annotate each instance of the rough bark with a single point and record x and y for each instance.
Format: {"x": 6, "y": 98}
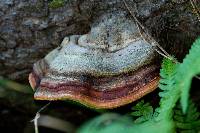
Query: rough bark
{"x": 30, "y": 29}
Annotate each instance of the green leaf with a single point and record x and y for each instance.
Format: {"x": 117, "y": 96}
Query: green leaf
{"x": 143, "y": 111}
{"x": 114, "y": 123}
{"x": 169, "y": 94}
{"x": 189, "y": 121}
{"x": 15, "y": 86}
{"x": 186, "y": 71}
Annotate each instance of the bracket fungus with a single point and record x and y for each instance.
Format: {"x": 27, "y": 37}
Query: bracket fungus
{"x": 109, "y": 67}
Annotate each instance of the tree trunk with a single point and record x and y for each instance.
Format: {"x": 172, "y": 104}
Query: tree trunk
{"x": 30, "y": 29}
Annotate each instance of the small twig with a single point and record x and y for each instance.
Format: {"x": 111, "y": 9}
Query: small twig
{"x": 56, "y": 124}
{"x": 37, "y": 116}
{"x": 35, "y": 120}
{"x": 197, "y": 77}
{"x": 133, "y": 15}
{"x": 158, "y": 48}
{"x": 195, "y": 9}
{"x": 162, "y": 54}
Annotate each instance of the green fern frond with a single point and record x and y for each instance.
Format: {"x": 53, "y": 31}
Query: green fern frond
{"x": 144, "y": 112}
{"x": 189, "y": 122}
{"x": 167, "y": 68}
{"x": 176, "y": 80}
{"x": 186, "y": 71}
{"x": 169, "y": 94}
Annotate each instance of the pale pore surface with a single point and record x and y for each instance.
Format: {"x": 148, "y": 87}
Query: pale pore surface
{"x": 112, "y": 47}
{"x": 73, "y": 58}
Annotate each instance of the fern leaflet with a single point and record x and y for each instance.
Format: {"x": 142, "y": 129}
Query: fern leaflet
{"x": 143, "y": 111}
{"x": 186, "y": 71}
{"x": 169, "y": 94}
{"x": 189, "y": 122}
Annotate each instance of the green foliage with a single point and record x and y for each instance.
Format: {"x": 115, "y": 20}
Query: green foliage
{"x": 189, "y": 122}
{"x": 56, "y": 4}
{"x": 115, "y": 123}
{"x": 4, "y": 83}
{"x": 144, "y": 112}
{"x": 108, "y": 123}
{"x": 169, "y": 95}
{"x": 186, "y": 71}
{"x": 174, "y": 85}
